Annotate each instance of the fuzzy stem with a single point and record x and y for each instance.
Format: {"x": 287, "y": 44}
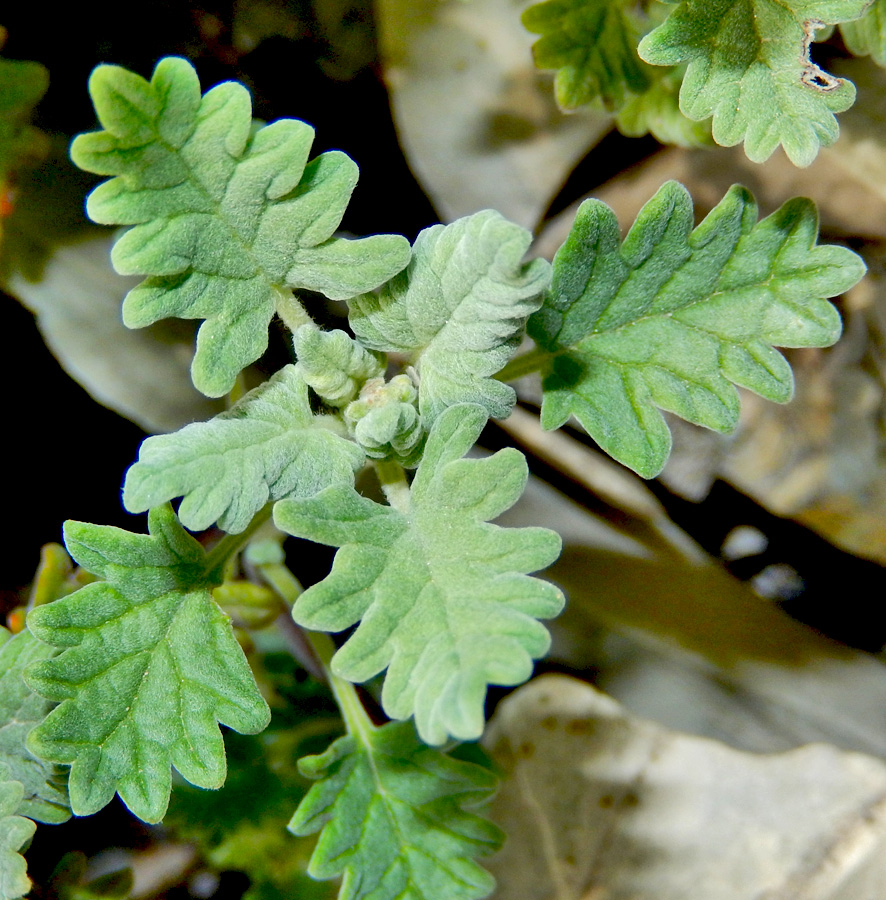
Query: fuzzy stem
{"x": 394, "y": 484}
{"x": 290, "y": 310}
{"x": 535, "y": 360}
{"x": 231, "y": 543}
{"x": 288, "y": 588}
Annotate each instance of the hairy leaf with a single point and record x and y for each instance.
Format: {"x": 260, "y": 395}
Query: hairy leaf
{"x": 395, "y": 818}
{"x": 242, "y": 827}
{"x": 15, "y": 832}
{"x": 867, "y": 36}
{"x": 444, "y": 598}
{"x": 268, "y": 446}
{"x": 334, "y": 364}
{"x": 45, "y": 796}
{"x": 657, "y": 112}
{"x": 22, "y": 84}
{"x": 459, "y": 309}
{"x": 593, "y": 47}
{"x": 672, "y": 316}
{"x": 149, "y": 666}
{"x": 227, "y": 217}
{"x": 749, "y": 68}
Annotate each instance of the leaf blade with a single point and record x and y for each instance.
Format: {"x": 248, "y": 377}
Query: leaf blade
{"x": 223, "y": 218}
{"x": 459, "y": 309}
{"x": 749, "y": 69}
{"x": 149, "y": 666}
{"x": 676, "y": 316}
{"x": 396, "y": 818}
{"x": 444, "y": 599}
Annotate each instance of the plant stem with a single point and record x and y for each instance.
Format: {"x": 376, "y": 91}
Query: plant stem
{"x": 534, "y": 361}
{"x": 394, "y": 484}
{"x": 231, "y": 543}
{"x": 290, "y": 310}
{"x": 288, "y": 588}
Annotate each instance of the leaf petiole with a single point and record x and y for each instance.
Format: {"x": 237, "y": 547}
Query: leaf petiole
{"x": 535, "y": 360}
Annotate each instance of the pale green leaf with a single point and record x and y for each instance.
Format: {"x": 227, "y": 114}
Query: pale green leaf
{"x": 749, "y": 68}
{"x": 149, "y": 666}
{"x": 268, "y": 446}
{"x": 593, "y": 47}
{"x": 657, "y": 112}
{"x": 396, "y": 819}
{"x": 334, "y": 364}
{"x": 226, "y": 216}
{"x": 459, "y": 310}
{"x": 867, "y": 36}
{"x": 15, "y": 832}
{"x": 45, "y": 796}
{"x": 444, "y": 598}
{"x": 674, "y": 317}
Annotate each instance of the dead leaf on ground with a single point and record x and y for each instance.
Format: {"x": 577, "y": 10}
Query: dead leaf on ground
{"x": 600, "y": 805}
{"x": 477, "y": 121}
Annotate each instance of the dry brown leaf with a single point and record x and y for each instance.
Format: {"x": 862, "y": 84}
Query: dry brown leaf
{"x": 600, "y": 805}
{"x": 477, "y": 122}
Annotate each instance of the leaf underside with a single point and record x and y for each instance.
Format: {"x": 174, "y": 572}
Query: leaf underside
{"x": 867, "y": 36}
{"x": 267, "y": 447}
{"x": 593, "y": 47}
{"x": 45, "y": 796}
{"x": 459, "y": 310}
{"x": 442, "y": 597}
{"x": 749, "y": 68}
{"x": 227, "y": 216}
{"x": 396, "y": 820}
{"x": 149, "y": 667}
{"x": 673, "y": 317}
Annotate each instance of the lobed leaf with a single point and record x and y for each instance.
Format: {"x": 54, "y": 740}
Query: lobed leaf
{"x": 228, "y": 218}
{"x": 15, "y": 832}
{"x": 749, "y": 68}
{"x": 442, "y": 597}
{"x": 593, "y": 47}
{"x": 674, "y": 317}
{"x": 268, "y": 446}
{"x": 867, "y": 36}
{"x": 459, "y": 310}
{"x": 45, "y": 795}
{"x": 149, "y": 666}
{"x": 657, "y": 112}
{"x": 395, "y": 818}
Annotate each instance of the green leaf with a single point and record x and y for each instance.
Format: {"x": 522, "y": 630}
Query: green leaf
{"x": 867, "y": 36}
{"x": 228, "y": 218}
{"x": 749, "y": 68}
{"x": 593, "y": 47}
{"x": 396, "y": 820}
{"x": 334, "y": 364}
{"x": 242, "y": 827}
{"x": 268, "y": 446}
{"x": 444, "y": 598}
{"x": 459, "y": 310}
{"x": 22, "y": 85}
{"x": 149, "y": 665}
{"x": 657, "y": 112}
{"x": 672, "y": 316}
{"x": 45, "y": 797}
{"x": 15, "y": 832}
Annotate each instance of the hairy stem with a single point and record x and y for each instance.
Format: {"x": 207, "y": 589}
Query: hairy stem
{"x": 394, "y": 484}
{"x": 231, "y": 543}
{"x": 287, "y": 587}
{"x": 535, "y": 360}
